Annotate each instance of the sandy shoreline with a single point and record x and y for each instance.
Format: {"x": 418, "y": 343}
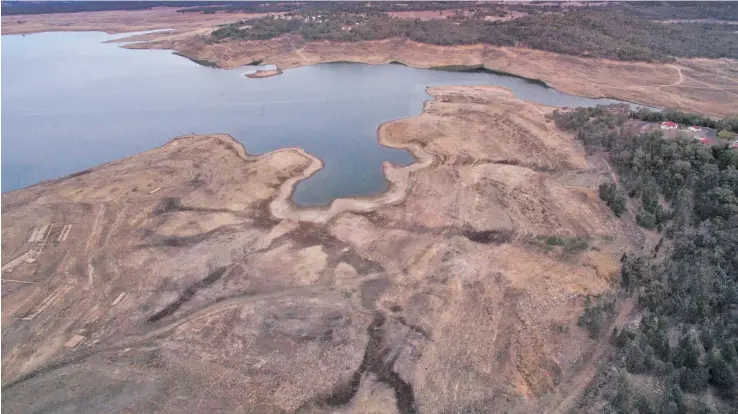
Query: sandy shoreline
{"x": 264, "y": 73}
{"x": 283, "y": 208}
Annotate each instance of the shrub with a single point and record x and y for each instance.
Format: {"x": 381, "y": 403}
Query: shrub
{"x": 593, "y": 318}
{"x": 693, "y": 380}
{"x": 622, "y": 399}
{"x": 644, "y": 406}
{"x": 635, "y": 359}
{"x": 610, "y": 194}
{"x": 646, "y": 219}
{"x": 568, "y": 244}
{"x": 725, "y": 134}
{"x": 722, "y": 375}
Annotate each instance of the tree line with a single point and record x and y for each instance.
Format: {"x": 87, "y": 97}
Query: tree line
{"x": 583, "y": 32}
{"x": 688, "y": 192}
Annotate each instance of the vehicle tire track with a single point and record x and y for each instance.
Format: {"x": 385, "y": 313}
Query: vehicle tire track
{"x": 579, "y": 382}
{"x": 89, "y": 244}
{"x": 217, "y": 307}
{"x": 678, "y": 82}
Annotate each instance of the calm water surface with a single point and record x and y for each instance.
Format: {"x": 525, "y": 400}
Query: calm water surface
{"x": 70, "y": 102}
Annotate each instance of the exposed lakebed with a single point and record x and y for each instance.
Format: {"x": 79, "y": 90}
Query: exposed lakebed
{"x": 70, "y": 102}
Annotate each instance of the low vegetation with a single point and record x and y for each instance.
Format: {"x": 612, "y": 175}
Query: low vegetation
{"x": 676, "y": 10}
{"x": 566, "y": 244}
{"x": 688, "y": 336}
{"x": 725, "y": 134}
{"x": 595, "y": 314}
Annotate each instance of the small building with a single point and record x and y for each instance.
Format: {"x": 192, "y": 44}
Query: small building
{"x": 669, "y": 125}
{"x": 695, "y": 128}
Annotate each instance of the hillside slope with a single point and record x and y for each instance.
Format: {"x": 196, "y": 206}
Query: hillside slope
{"x": 175, "y": 288}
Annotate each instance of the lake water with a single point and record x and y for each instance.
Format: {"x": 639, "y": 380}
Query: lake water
{"x": 70, "y": 102}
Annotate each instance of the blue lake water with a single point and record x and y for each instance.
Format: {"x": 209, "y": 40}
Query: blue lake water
{"x": 70, "y": 102}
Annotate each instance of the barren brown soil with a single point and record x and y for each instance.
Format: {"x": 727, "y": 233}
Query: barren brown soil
{"x": 706, "y": 86}
{"x": 426, "y": 14}
{"x": 117, "y": 21}
{"x": 189, "y": 283}
{"x": 444, "y": 14}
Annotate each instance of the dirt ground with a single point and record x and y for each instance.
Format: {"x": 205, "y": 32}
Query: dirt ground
{"x": 705, "y": 86}
{"x": 444, "y": 14}
{"x": 427, "y": 14}
{"x": 188, "y": 282}
{"x": 117, "y": 21}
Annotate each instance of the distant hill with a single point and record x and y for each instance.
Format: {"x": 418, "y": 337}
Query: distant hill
{"x": 43, "y": 7}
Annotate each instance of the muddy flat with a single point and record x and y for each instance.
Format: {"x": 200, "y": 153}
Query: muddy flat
{"x": 183, "y": 283}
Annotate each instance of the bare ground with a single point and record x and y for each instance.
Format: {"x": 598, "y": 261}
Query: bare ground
{"x": 118, "y": 21}
{"x": 441, "y": 300}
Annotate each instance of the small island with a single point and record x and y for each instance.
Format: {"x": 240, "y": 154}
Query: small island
{"x": 264, "y": 73}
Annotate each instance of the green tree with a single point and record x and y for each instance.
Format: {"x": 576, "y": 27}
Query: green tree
{"x": 722, "y": 375}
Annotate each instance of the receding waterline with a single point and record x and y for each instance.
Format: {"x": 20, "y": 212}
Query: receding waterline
{"x": 105, "y": 102}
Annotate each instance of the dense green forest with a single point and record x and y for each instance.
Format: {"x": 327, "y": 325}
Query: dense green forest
{"x": 688, "y": 293}
{"x": 584, "y": 32}
{"x": 680, "y": 10}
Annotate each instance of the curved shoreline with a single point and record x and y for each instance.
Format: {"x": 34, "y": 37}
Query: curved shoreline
{"x": 475, "y": 69}
{"x": 598, "y": 78}
{"x": 283, "y": 208}
{"x": 478, "y": 68}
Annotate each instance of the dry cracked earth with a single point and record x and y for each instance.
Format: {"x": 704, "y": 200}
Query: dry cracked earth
{"x": 162, "y": 282}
